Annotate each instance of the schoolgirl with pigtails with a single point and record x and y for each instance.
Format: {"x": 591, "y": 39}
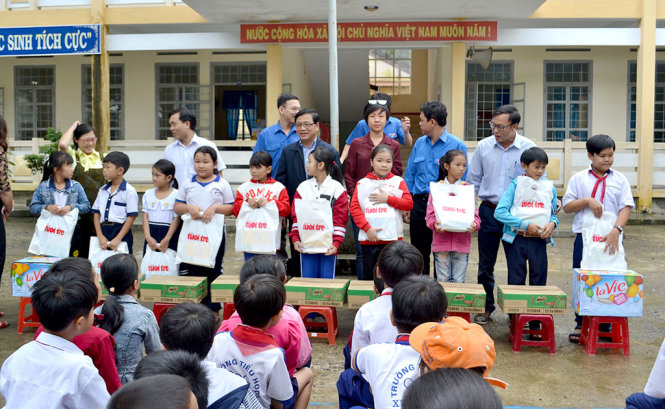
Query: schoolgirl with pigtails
{"x": 320, "y": 211}
{"x": 161, "y": 224}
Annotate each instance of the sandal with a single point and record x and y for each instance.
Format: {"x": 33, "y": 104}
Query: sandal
{"x": 4, "y": 324}
{"x": 574, "y": 336}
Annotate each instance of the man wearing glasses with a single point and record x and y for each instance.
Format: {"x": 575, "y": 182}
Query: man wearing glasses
{"x": 495, "y": 163}
{"x": 395, "y": 128}
{"x": 274, "y": 138}
{"x": 291, "y": 170}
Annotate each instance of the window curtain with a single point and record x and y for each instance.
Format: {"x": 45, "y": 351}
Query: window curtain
{"x": 234, "y": 101}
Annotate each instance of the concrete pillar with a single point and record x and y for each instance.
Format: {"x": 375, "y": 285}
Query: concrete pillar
{"x": 273, "y": 82}
{"x": 646, "y": 77}
{"x": 457, "y": 87}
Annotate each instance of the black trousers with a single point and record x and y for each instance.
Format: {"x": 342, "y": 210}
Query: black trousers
{"x": 521, "y": 250}
{"x": 370, "y": 256}
{"x": 489, "y": 239}
{"x": 421, "y": 235}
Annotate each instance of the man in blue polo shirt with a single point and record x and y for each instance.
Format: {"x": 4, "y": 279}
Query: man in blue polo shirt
{"x": 423, "y": 168}
{"x": 274, "y": 138}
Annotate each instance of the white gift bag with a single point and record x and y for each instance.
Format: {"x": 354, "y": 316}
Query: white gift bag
{"x": 533, "y": 200}
{"x": 97, "y": 255}
{"x": 315, "y": 224}
{"x": 594, "y": 256}
{"x": 454, "y": 205}
{"x": 158, "y": 263}
{"x": 53, "y": 234}
{"x": 380, "y": 216}
{"x": 258, "y": 230}
{"x": 198, "y": 242}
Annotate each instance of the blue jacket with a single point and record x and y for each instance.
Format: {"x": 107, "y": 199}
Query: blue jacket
{"x": 512, "y": 224}
{"x": 43, "y": 196}
{"x": 291, "y": 169}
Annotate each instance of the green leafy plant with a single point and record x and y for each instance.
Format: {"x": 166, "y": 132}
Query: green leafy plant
{"x": 35, "y": 161}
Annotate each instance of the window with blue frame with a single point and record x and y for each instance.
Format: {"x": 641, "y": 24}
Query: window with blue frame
{"x": 567, "y": 100}
{"x": 659, "y": 104}
{"x": 486, "y": 90}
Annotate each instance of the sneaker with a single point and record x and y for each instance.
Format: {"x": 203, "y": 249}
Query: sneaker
{"x": 482, "y": 319}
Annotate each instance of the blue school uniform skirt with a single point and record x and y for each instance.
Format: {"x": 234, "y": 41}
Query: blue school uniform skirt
{"x": 159, "y": 231}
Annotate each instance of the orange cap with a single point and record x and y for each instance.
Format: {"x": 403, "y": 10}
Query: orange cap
{"x": 453, "y": 343}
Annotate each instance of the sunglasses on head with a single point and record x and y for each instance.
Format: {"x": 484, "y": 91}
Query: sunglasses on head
{"x": 378, "y": 101}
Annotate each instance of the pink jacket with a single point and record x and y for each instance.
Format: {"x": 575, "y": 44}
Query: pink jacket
{"x": 448, "y": 241}
{"x": 290, "y": 334}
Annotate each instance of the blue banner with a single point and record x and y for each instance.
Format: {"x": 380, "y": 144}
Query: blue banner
{"x": 49, "y": 40}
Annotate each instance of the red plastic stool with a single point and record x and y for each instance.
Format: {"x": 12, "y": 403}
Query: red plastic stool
{"x": 465, "y": 315}
{"x": 619, "y": 334}
{"x": 160, "y": 308}
{"x": 330, "y": 315}
{"x": 31, "y": 321}
{"x": 229, "y": 309}
{"x": 517, "y": 323}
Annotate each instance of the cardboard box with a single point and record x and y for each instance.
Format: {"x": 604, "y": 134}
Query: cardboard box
{"x": 105, "y": 291}
{"x": 27, "y": 271}
{"x": 608, "y": 293}
{"x": 316, "y": 291}
{"x": 222, "y": 289}
{"x": 463, "y": 297}
{"x": 360, "y": 292}
{"x": 171, "y": 289}
{"x": 531, "y": 299}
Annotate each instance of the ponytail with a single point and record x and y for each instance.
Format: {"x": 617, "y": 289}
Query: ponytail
{"x": 56, "y": 160}
{"x": 323, "y": 155}
{"x": 118, "y": 275}
{"x": 448, "y": 159}
{"x": 167, "y": 168}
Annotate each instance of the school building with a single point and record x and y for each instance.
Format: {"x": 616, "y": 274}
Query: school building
{"x": 574, "y": 68}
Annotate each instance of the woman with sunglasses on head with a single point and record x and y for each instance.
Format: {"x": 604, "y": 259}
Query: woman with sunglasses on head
{"x": 88, "y": 172}
{"x": 358, "y": 164}
{"x": 395, "y": 128}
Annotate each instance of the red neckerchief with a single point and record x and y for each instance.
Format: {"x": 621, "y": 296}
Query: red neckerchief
{"x": 595, "y": 187}
{"x": 386, "y": 293}
{"x": 402, "y": 339}
{"x": 252, "y": 340}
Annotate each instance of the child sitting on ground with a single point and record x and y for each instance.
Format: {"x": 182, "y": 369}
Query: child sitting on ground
{"x": 389, "y": 367}
{"x": 148, "y": 393}
{"x": 252, "y": 353}
{"x": 97, "y": 343}
{"x": 289, "y": 333}
{"x": 132, "y": 325}
{"x": 191, "y": 327}
{"x": 51, "y": 371}
{"x": 372, "y": 324}
{"x": 117, "y": 204}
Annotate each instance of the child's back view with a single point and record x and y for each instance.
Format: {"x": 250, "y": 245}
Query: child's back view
{"x": 52, "y": 372}
{"x": 253, "y": 354}
{"x": 131, "y": 324}
{"x": 372, "y": 324}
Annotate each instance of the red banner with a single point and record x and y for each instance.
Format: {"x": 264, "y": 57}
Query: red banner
{"x": 368, "y": 32}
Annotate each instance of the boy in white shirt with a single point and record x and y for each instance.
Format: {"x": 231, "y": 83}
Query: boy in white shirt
{"x": 372, "y": 324}
{"x": 389, "y": 368}
{"x": 51, "y": 371}
{"x": 654, "y": 392}
{"x": 594, "y": 190}
{"x": 249, "y": 351}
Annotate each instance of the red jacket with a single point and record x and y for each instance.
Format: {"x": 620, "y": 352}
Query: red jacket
{"x": 404, "y": 203}
{"x": 271, "y": 190}
{"x": 340, "y": 206}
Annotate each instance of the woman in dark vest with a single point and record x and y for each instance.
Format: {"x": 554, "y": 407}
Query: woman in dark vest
{"x": 88, "y": 172}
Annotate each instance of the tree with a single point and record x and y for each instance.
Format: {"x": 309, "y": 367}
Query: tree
{"x": 35, "y": 161}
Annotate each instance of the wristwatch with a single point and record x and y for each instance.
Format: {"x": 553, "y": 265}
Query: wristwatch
{"x": 616, "y": 226}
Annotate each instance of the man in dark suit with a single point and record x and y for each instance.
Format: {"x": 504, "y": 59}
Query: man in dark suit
{"x": 291, "y": 170}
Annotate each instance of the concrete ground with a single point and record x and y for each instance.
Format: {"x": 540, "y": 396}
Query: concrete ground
{"x": 568, "y": 378}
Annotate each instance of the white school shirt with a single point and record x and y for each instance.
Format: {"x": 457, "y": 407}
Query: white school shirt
{"x": 618, "y": 193}
{"x": 656, "y": 383}
{"x": 159, "y": 211}
{"x": 51, "y": 372}
{"x": 389, "y": 368}
{"x": 372, "y": 324}
{"x": 265, "y": 371}
{"x": 183, "y": 157}
{"x": 204, "y": 195}
{"x": 221, "y": 382}
{"x": 118, "y": 206}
